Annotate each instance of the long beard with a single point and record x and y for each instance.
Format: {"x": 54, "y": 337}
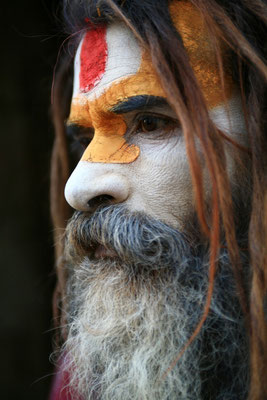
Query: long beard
{"x": 130, "y": 315}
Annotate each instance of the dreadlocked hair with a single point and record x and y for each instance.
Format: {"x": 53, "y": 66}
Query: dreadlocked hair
{"x": 241, "y": 26}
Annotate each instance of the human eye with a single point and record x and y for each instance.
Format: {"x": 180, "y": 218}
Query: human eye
{"x": 154, "y": 123}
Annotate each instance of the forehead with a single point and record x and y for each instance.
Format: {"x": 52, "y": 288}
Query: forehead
{"x": 111, "y": 66}
{"x": 105, "y": 55}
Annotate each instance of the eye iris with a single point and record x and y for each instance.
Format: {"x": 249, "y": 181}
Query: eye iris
{"x": 149, "y": 124}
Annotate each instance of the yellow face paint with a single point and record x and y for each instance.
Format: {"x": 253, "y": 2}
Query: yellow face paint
{"x": 126, "y": 71}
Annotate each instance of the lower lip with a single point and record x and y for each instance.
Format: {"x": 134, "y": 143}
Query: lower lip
{"x": 103, "y": 252}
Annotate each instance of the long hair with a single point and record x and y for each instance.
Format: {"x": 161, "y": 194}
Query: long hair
{"x": 240, "y": 27}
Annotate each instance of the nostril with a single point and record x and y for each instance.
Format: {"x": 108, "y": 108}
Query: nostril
{"x": 99, "y": 200}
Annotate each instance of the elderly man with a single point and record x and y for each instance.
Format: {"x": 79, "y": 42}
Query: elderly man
{"x": 162, "y": 270}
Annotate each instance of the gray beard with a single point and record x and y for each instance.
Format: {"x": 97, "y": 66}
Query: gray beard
{"x": 129, "y": 316}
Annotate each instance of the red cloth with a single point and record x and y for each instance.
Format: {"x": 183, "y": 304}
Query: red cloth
{"x": 60, "y": 385}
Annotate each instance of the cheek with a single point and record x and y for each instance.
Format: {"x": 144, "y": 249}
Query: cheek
{"x": 162, "y": 181}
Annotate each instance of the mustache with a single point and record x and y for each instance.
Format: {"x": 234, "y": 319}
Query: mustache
{"x": 134, "y": 236}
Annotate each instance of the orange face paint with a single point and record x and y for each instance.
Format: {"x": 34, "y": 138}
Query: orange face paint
{"x": 197, "y": 41}
{"x": 125, "y": 71}
{"x": 109, "y": 144}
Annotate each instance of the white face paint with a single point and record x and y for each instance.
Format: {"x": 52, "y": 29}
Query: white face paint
{"x": 158, "y": 182}
{"x": 123, "y": 59}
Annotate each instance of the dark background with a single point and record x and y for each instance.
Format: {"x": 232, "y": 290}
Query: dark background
{"x": 30, "y": 39}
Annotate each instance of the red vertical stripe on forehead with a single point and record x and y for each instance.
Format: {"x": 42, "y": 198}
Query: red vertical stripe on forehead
{"x": 93, "y": 58}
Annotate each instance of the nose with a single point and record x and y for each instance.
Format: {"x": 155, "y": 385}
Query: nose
{"x": 94, "y": 184}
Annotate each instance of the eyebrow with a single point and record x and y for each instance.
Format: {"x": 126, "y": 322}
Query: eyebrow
{"x": 138, "y": 103}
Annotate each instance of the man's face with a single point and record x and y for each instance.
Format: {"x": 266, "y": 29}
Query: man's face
{"x": 137, "y": 284}
{"x": 137, "y": 152}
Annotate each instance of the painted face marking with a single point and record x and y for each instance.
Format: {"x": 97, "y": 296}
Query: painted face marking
{"x": 111, "y": 68}
{"x": 93, "y": 58}
{"x": 91, "y": 107}
{"x": 196, "y": 38}
{"x": 118, "y": 52}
